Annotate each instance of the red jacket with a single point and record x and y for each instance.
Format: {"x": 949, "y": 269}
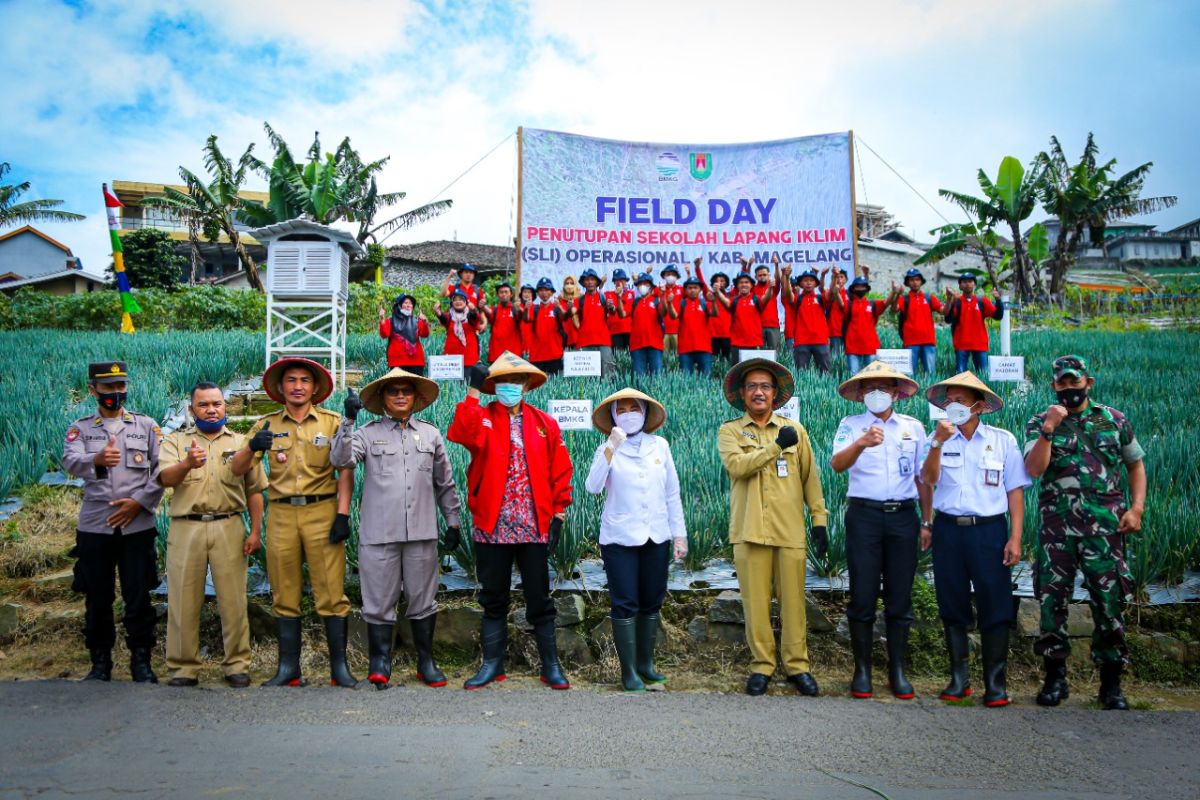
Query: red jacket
{"x": 484, "y": 432}
{"x": 836, "y": 313}
{"x": 770, "y": 311}
{"x": 569, "y": 331}
{"x": 746, "y": 328}
{"x": 861, "y": 337}
{"x": 809, "y": 326}
{"x": 966, "y": 317}
{"x": 694, "y": 336}
{"x": 546, "y": 332}
{"x": 917, "y": 327}
{"x": 593, "y": 321}
{"x": 505, "y": 333}
{"x": 618, "y": 324}
{"x": 674, "y": 294}
{"x": 647, "y": 324}
{"x": 397, "y": 353}
{"x": 453, "y": 347}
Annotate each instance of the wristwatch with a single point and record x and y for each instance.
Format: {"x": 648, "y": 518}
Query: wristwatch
{"x": 935, "y": 444}
{"x": 927, "y": 524}
{"x": 1047, "y": 435}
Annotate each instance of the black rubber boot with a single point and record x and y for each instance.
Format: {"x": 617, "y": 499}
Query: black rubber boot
{"x": 335, "y": 638}
{"x": 422, "y": 632}
{"x": 625, "y": 639}
{"x": 1054, "y": 688}
{"x": 897, "y": 652}
{"x": 493, "y": 635}
{"x": 288, "y": 673}
{"x": 647, "y": 637}
{"x": 861, "y": 636}
{"x": 960, "y": 672}
{"x": 552, "y": 674}
{"x": 379, "y": 650}
{"x": 139, "y": 666}
{"x": 994, "y": 647}
{"x": 1111, "y": 697}
{"x": 101, "y": 666}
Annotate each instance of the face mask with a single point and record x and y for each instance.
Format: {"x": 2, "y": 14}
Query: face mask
{"x": 631, "y": 422}
{"x": 671, "y": 280}
{"x": 509, "y": 394}
{"x": 406, "y": 312}
{"x": 643, "y": 289}
{"x": 860, "y": 292}
{"x": 958, "y": 414}
{"x": 204, "y": 426}
{"x": 877, "y": 401}
{"x": 112, "y": 400}
{"x": 1072, "y": 398}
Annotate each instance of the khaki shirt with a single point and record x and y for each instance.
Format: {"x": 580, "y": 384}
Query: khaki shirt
{"x": 212, "y": 488}
{"x": 137, "y": 437}
{"x": 406, "y": 479}
{"x": 770, "y": 486}
{"x": 298, "y": 462}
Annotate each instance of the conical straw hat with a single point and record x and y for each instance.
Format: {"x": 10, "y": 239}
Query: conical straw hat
{"x": 852, "y": 389}
{"x": 602, "y": 417}
{"x": 372, "y": 393}
{"x": 967, "y": 380}
{"x": 512, "y": 364}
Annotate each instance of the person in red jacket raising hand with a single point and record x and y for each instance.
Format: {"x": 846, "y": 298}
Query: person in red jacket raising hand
{"x": 745, "y": 320}
{"x": 914, "y": 313}
{"x": 858, "y": 325}
{"x": 404, "y": 331}
{"x": 810, "y": 328}
{"x": 504, "y": 320}
{"x": 966, "y": 315}
{"x": 519, "y": 487}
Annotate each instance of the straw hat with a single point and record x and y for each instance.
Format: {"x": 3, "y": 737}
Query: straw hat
{"x": 512, "y": 364}
{"x": 967, "y": 380}
{"x": 372, "y": 394}
{"x": 274, "y": 375}
{"x": 852, "y": 389}
{"x": 602, "y": 417}
{"x": 785, "y": 385}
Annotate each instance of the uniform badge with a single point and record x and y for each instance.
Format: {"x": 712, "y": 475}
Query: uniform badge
{"x": 416, "y": 437}
{"x": 281, "y": 457}
{"x": 320, "y": 440}
{"x": 72, "y": 433}
{"x": 138, "y": 458}
{"x": 541, "y": 431}
{"x": 750, "y": 435}
{"x": 658, "y": 462}
{"x": 227, "y": 455}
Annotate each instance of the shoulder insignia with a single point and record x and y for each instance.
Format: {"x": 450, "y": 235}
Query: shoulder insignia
{"x": 72, "y": 433}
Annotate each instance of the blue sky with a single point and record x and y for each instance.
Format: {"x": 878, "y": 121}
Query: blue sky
{"x": 97, "y": 91}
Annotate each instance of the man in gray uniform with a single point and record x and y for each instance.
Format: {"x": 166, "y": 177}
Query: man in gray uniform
{"x": 115, "y": 451}
{"x": 407, "y": 479}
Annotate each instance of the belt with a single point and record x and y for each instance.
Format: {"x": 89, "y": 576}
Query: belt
{"x": 968, "y": 521}
{"x": 208, "y": 517}
{"x": 303, "y": 499}
{"x": 886, "y": 506}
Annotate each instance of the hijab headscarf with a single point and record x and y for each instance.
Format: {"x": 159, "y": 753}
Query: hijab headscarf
{"x": 634, "y": 439}
{"x": 458, "y": 319}
{"x": 404, "y": 326}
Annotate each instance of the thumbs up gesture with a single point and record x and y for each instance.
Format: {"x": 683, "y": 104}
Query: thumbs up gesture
{"x": 196, "y": 456}
{"x": 352, "y": 405}
{"x": 110, "y": 456}
{"x": 263, "y": 439}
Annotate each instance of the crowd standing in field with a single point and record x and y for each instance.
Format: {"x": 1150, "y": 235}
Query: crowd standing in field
{"x": 957, "y": 489}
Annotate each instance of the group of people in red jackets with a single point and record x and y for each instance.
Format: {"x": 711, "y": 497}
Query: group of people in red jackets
{"x": 699, "y": 318}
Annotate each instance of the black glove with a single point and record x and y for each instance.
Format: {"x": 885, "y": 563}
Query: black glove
{"x": 340, "y": 531}
{"x": 478, "y": 375}
{"x": 820, "y": 541}
{"x": 555, "y": 533}
{"x": 453, "y": 538}
{"x": 263, "y": 439}
{"x": 352, "y": 405}
{"x": 787, "y": 437}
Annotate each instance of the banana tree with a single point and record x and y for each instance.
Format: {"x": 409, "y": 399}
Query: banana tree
{"x": 957, "y": 236}
{"x": 13, "y": 212}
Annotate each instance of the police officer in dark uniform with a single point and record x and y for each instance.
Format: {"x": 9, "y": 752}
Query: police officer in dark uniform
{"x": 115, "y": 451}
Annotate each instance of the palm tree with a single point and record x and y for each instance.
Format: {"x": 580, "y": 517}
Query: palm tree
{"x": 210, "y": 206}
{"x": 1084, "y": 196}
{"x": 16, "y": 213}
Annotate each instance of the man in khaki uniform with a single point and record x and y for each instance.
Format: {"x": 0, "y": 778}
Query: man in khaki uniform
{"x": 207, "y": 531}
{"x": 309, "y": 517}
{"x": 770, "y": 463}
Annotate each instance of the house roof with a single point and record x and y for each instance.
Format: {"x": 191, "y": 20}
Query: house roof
{"x": 133, "y": 192}
{"x": 294, "y": 226}
{"x": 485, "y": 256}
{"x": 1184, "y": 226}
{"x": 36, "y": 232}
{"x": 66, "y": 273}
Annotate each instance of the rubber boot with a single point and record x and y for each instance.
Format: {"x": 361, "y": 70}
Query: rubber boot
{"x": 1111, "y": 697}
{"x": 101, "y": 666}
{"x": 1054, "y": 688}
{"x": 861, "y": 636}
{"x": 493, "y": 635}
{"x": 897, "y": 652}
{"x": 139, "y": 666}
{"x": 960, "y": 672}
{"x": 647, "y": 637}
{"x": 994, "y": 647}
{"x": 552, "y": 674}
{"x": 625, "y": 639}
{"x": 335, "y": 638}
{"x": 379, "y": 650}
{"x": 422, "y": 632}
{"x": 288, "y": 673}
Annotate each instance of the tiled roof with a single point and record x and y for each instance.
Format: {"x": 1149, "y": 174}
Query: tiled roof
{"x": 485, "y": 256}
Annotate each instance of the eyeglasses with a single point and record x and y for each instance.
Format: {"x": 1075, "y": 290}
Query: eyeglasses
{"x": 399, "y": 390}
{"x": 756, "y": 387}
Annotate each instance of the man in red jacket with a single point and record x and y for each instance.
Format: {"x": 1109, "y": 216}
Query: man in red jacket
{"x": 671, "y": 293}
{"x": 695, "y": 341}
{"x": 914, "y": 311}
{"x": 620, "y": 327}
{"x": 967, "y": 315}
{"x": 546, "y": 318}
{"x": 764, "y": 283}
{"x": 810, "y": 328}
{"x": 466, "y": 285}
{"x": 590, "y": 314}
{"x": 858, "y": 324}
{"x": 519, "y": 487}
{"x": 834, "y": 311}
{"x": 745, "y": 314}
{"x": 504, "y": 321}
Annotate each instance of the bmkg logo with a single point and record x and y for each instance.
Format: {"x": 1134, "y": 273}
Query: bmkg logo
{"x": 667, "y": 165}
{"x": 701, "y": 165}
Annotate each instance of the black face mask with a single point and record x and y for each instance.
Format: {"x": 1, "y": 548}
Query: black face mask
{"x": 1072, "y": 398}
{"x": 111, "y": 400}
{"x": 860, "y": 292}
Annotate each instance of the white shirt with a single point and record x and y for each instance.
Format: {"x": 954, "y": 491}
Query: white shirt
{"x": 642, "y": 502}
{"x": 887, "y": 471}
{"x": 978, "y": 473}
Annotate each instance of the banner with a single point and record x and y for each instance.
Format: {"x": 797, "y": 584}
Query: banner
{"x": 608, "y": 204}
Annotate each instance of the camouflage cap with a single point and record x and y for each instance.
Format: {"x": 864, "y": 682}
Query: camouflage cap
{"x": 1070, "y": 367}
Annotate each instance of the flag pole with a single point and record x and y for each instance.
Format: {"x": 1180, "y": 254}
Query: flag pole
{"x": 129, "y": 306}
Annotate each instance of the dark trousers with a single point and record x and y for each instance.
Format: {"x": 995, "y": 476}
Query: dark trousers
{"x": 881, "y": 546}
{"x": 964, "y": 358}
{"x": 637, "y": 577}
{"x": 415, "y": 370}
{"x": 966, "y": 555}
{"x": 549, "y": 367}
{"x": 802, "y": 354}
{"x": 494, "y": 565}
{"x": 722, "y": 349}
{"x": 100, "y": 557}
{"x": 620, "y": 341}
{"x": 696, "y": 361}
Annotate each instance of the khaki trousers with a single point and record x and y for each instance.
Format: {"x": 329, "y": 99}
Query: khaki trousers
{"x": 763, "y": 571}
{"x": 299, "y": 534}
{"x": 384, "y": 568}
{"x": 192, "y": 547}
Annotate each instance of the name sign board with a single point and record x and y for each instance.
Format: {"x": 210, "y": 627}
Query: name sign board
{"x": 745, "y": 355}
{"x": 571, "y": 415}
{"x": 1006, "y": 368}
{"x": 580, "y": 364}
{"x": 445, "y": 368}
{"x": 790, "y": 409}
{"x": 899, "y": 360}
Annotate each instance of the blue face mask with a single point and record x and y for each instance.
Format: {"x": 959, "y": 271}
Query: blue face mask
{"x": 509, "y": 394}
{"x": 204, "y": 426}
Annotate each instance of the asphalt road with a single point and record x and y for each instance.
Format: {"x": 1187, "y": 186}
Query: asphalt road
{"x": 60, "y": 739}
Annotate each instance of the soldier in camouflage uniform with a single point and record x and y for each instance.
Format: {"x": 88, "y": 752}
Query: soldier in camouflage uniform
{"x": 1077, "y": 447}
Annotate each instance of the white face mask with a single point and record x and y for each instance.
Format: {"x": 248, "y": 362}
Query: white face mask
{"x": 643, "y": 289}
{"x": 958, "y": 414}
{"x": 631, "y": 422}
{"x": 877, "y": 401}
{"x": 671, "y": 280}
